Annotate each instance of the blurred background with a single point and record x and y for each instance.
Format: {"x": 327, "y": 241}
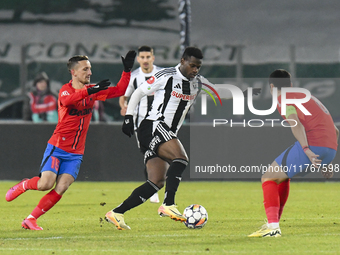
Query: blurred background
{"x": 242, "y": 41}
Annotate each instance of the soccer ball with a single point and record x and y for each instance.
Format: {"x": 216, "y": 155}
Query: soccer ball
{"x": 196, "y": 216}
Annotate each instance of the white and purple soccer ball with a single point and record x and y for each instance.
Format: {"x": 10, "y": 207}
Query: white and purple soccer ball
{"x": 197, "y": 216}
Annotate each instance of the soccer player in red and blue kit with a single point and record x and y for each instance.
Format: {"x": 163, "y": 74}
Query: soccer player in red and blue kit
{"x": 316, "y": 146}
{"x": 65, "y": 149}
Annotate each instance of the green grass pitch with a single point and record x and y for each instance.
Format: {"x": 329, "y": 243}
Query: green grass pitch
{"x": 310, "y": 223}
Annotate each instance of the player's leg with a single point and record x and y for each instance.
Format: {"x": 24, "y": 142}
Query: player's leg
{"x": 22, "y": 187}
{"x": 34, "y": 183}
{"x": 150, "y": 175}
{"x": 271, "y": 201}
{"x": 49, "y": 200}
{"x": 275, "y": 186}
{"x": 174, "y": 152}
{"x": 156, "y": 168}
{"x": 46, "y": 182}
{"x": 61, "y": 168}
{"x": 154, "y": 198}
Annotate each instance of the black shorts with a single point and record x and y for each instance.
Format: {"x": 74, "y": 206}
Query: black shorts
{"x": 151, "y": 134}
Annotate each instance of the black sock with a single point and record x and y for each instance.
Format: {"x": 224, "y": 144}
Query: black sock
{"x": 174, "y": 176}
{"x": 137, "y": 197}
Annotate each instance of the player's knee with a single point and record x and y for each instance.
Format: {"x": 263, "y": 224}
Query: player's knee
{"x": 43, "y": 186}
{"x": 277, "y": 180}
{"x": 182, "y": 156}
{"x": 61, "y": 188}
{"x": 159, "y": 182}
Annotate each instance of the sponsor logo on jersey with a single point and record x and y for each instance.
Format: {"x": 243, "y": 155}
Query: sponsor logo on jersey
{"x": 183, "y": 97}
{"x": 75, "y": 112}
{"x": 151, "y": 80}
{"x": 178, "y": 86}
{"x": 65, "y": 93}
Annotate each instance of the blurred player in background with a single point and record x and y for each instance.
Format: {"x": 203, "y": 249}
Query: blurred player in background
{"x": 65, "y": 149}
{"x": 145, "y": 58}
{"x": 175, "y": 90}
{"x": 317, "y": 142}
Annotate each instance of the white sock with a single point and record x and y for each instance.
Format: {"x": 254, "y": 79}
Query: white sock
{"x": 30, "y": 216}
{"x": 273, "y": 225}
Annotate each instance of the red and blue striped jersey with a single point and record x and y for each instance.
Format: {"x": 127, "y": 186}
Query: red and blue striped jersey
{"x": 75, "y": 108}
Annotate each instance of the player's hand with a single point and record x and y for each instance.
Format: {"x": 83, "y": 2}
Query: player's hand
{"x": 327, "y": 171}
{"x": 102, "y": 85}
{"x": 256, "y": 91}
{"x": 313, "y": 158}
{"x": 127, "y": 127}
{"x": 128, "y": 60}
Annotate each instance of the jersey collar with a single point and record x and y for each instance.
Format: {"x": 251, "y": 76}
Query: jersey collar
{"x": 180, "y": 74}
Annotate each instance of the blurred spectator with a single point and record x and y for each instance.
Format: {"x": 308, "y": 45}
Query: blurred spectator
{"x": 98, "y": 112}
{"x": 42, "y": 102}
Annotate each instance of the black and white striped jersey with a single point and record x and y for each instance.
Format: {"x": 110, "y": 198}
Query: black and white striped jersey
{"x": 144, "y": 105}
{"x": 173, "y": 96}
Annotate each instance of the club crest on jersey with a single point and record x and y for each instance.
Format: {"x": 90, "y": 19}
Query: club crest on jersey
{"x": 183, "y": 97}
{"x": 151, "y": 80}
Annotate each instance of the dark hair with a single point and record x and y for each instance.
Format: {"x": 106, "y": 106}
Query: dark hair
{"x": 41, "y": 77}
{"x": 74, "y": 60}
{"x": 192, "y": 52}
{"x": 38, "y": 78}
{"x": 145, "y": 48}
{"x": 280, "y": 78}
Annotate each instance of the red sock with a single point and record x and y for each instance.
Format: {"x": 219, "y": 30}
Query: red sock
{"x": 283, "y": 193}
{"x": 46, "y": 203}
{"x": 271, "y": 200}
{"x": 32, "y": 183}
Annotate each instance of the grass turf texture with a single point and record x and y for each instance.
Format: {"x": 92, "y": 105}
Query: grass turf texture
{"x": 310, "y": 223}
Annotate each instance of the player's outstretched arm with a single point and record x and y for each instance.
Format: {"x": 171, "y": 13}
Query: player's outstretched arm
{"x": 69, "y": 97}
{"x": 123, "y": 83}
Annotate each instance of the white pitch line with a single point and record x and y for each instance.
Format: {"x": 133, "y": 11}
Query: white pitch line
{"x": 147, "y": 236}
{"x": 154, "y": 251}
{"x": 30, "y": 238}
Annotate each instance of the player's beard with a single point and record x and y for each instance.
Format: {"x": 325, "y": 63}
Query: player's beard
{"x": 146, "y": 68}
{"x": 86, "y": 80}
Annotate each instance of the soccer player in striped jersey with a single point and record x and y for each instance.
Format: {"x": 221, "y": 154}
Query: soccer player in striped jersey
{"x": 175, "y": 90}
{"x": 145, "y": 58}
{"x": 317, "y": 142}
{"x": 64, "y": 153}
